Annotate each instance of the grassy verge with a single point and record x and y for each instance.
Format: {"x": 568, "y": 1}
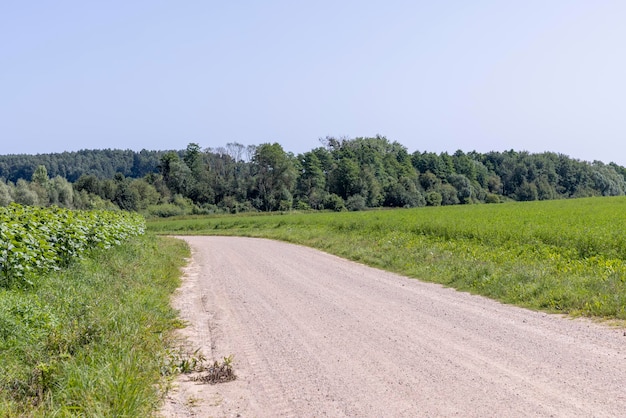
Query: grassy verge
{"x": 565, "y": 256}
{"x": 91, "y": 340}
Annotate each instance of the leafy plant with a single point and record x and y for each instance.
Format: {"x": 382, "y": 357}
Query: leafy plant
{"x": 37, "y": 240}
{"x": 181, "y": 361}
{"x": 219, "y": 372}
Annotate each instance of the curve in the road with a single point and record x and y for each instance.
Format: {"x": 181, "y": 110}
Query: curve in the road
{"x": 316, "y": 335}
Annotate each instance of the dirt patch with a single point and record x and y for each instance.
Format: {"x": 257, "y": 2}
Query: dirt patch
{"x": 315, "y": 335}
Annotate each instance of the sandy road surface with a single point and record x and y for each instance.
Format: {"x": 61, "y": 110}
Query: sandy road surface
{"x": 315, "y": 335}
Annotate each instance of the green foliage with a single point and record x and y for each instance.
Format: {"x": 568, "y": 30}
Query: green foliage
{"x": 562, "y": 256}
{"x": 91, "y": 340}
{"x": 275, "y": 177}
{"x": 492, "y": 198}
{"x": 356, "y": 202}
{"x": 165, "y": 210}
{"x": 334, "y": 202}
{"x": 35, "y": 241}
{"x": 434, "y": 198}
{"x": 40, "y": 176}
{"x": 236, "y": 178}
{"x": 72, "y": 165}
{"x": 5, "y": 194}
{"x": 181, "y": 361}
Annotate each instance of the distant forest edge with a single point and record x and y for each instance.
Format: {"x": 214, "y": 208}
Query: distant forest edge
{"x": 71, "y": 165}
{"x": 352, "y": 174}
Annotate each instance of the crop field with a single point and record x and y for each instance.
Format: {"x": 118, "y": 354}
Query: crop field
{"x": 37, "y": 240}
{"x": 565, "y": 256}
{"x": 84, "y": 312}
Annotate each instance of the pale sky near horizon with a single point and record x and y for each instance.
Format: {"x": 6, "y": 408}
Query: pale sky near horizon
{"x": 534, "y": 75}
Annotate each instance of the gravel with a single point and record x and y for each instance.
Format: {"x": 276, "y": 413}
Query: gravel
{"x": 315, "y": 335}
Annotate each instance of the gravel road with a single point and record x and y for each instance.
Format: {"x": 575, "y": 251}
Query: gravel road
{"x": 315, "y": 335}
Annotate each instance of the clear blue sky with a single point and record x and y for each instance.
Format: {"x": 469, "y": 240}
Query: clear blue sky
{"x": 535, "y": 75}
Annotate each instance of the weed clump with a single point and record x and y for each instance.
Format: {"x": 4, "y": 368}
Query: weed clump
{"x": 218, "y": 373}
{"x": 195, "y": 364}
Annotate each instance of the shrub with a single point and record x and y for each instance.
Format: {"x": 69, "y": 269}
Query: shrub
{"x": 433, "y": 199}
{"x": 334, "y": 202}
{"x": 356, "y": 203}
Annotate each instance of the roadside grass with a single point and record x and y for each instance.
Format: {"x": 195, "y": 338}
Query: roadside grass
{"x": 564, "y": 256}
{"x": 92, "y": 340}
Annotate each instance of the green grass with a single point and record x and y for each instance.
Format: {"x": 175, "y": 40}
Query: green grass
{"x": 92, "y": 340}
{"x": 565, "y": 256}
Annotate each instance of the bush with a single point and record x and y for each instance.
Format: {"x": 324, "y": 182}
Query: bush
{"x": 356, "y": 203}
{"x": 434, "y": 199}
{"x": 492, "y": 198}
{"x": 302, "y": 205}
{"x": 334, "y": 202}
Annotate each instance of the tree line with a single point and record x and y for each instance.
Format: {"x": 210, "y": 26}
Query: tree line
{"x": 341, "y": 174}
{"x": 71, "y": 165}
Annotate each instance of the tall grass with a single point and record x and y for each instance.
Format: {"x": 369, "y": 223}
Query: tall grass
{"x": 563, "y": 256}
{"x": 91, "y": 340}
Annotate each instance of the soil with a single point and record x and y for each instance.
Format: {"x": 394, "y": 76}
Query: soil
{"x": 312, "y": 334}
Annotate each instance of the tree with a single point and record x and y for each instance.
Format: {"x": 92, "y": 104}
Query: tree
{"x": 403, "y": 193}
{"x": 179, "y": 177}
{"x": 236, "y": 151}
{"x": 311, "y": 184}
{"x": 607, "y": 181}
{"x": 165, "y": 164}
{"x": 108, "y": 189}
{"x": 274, "y": 177}
{"x": 464, "y": 165}
{"x": 60, "y": 192}
{"x": 429, "y": 181}
{"x": 545, "y": 190}
{"x": 24, "y": 195}
{"x": 440, "y": 165}
{"x": 5, "y": 193}
{"x": 126, "y": 197}
{"x": 192, "y": 158}
{"x": 345, "y": 179}
{"x": 463, "y": 187}
{"x": 146, "y": 193}
{"x": 88, "y": 183}
{"x": 527, "y": 191}
{"x": 449, "y": 195}
{"x": 40, "y": 176}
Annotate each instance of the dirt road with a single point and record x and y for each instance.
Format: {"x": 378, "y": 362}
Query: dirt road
{"x": 315, "y": 335}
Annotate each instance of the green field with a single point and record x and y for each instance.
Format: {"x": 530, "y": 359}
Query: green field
{"x": 565, "y": 256}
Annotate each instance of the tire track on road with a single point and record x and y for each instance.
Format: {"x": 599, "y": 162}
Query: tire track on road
{"x": 315, "y": 335}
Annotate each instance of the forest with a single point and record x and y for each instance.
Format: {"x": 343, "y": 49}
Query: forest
{"x": 341, "y": 174}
